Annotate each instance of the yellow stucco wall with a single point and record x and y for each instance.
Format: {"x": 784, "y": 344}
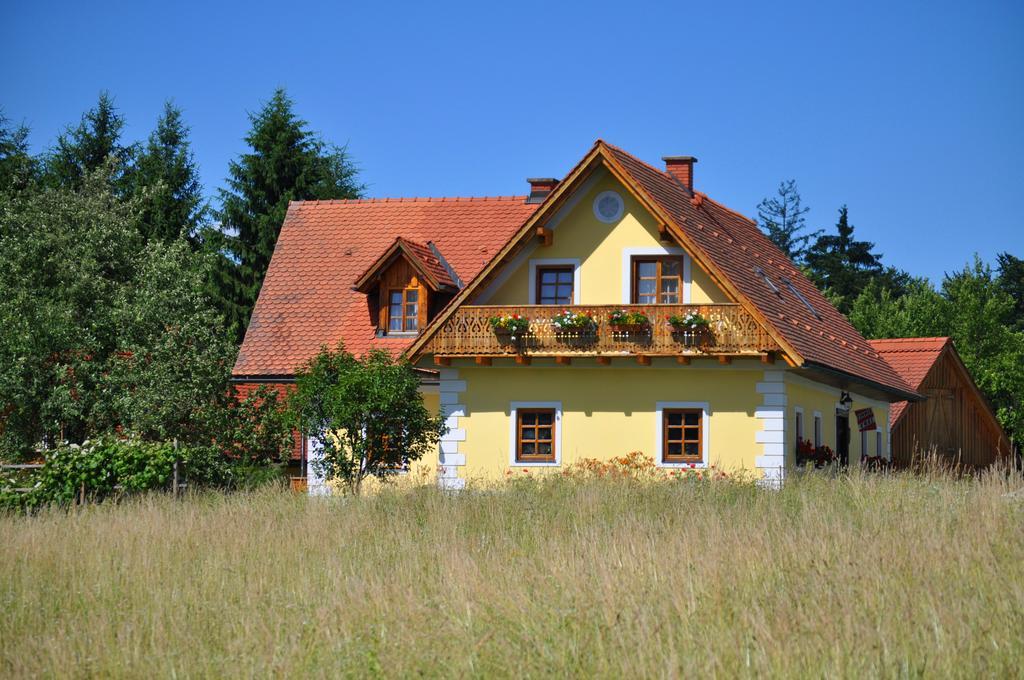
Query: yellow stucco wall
{"x": 599, "y": 248}
{"x": 606, "y": 411}
{"x": 813, "y": 397}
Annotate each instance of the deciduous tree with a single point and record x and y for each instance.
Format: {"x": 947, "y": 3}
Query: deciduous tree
{"x": 366, "y": 414}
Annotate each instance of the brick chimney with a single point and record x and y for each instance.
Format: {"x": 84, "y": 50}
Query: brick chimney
{"x": 540, "y": 187}
{"x": 680, "y": 167}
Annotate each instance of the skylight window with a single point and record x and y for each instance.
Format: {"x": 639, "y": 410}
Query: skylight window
{"x": 801, "y": 298}
{"x": 767, "y": 281}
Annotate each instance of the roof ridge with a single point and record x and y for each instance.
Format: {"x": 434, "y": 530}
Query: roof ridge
{"x": 411, "y": 199}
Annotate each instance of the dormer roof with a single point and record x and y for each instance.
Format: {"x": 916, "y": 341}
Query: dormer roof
{"x": 425, "y": 259}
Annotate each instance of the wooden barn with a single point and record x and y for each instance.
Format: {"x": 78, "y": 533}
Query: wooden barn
{"x": 955, "y": 419}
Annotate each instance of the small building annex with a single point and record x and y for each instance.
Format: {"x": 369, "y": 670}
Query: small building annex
{"x": 954, "y": 421}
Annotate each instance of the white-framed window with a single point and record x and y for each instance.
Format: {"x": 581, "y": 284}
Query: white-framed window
{"x": 817, "y": 429}
{"x": 798, "y": 422}
{"x": 630, "y": 254}
{"x": 535, "y": 434}
{"x": 540, "y": 264}
{"x": 667, "y": 432}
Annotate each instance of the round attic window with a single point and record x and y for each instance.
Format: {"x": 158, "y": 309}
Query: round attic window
{"x": 608, "y": 206}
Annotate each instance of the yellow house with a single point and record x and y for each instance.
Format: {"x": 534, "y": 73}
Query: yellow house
{"x": 614, "y": 310}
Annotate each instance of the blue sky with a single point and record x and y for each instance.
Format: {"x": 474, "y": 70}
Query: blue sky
{"x": 912, "y": 113}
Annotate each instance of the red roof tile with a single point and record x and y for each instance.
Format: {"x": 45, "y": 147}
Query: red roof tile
{"x": 737, "y": 246}
{"x": 912, "y": 358}
{"x": 307, "y": 298}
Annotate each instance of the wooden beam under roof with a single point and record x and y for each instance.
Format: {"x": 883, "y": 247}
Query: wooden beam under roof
{"x": 547, "y": 237}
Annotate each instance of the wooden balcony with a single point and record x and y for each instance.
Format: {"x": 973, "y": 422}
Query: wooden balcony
{"x": 732, "y": 331}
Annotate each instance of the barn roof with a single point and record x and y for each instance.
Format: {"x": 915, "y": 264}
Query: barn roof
{"x": 912, "y": 358}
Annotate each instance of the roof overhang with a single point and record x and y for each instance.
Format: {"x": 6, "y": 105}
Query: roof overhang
{"x": 847, "y": 381}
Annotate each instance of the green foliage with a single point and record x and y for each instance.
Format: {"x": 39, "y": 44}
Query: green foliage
{"x": 258, "y": 428}
{"x": 287, "y": 162}
{"x": 167, "y": 180}
{"x": 86, "y": 148}
{"x": 17, "y": 167}
{"x": 367, "y": 414}
{"x": 879, "y": 313}
{"x": 781, "y": 217}
{"x": 97, "y": 329}
{"x": 109, "y": 467}
{"x": 1011, "y": 280}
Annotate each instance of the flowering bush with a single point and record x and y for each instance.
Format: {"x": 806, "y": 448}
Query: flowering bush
{"x": 510, "y": 323}
{"x": 622, "y": 317}
{"x": 820, "y": 456}
{"x": 568, "y": 320}
{"x": 691, "y": 321}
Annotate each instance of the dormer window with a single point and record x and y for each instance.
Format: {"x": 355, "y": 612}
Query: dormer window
{"x": 403, "y": 310}
{"x": 405, "y": 284}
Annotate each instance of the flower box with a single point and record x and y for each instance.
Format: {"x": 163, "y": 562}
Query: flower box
{"x": 626, "y": 321}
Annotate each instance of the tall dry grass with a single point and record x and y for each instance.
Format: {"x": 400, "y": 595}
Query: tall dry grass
{"x": 856, "y": 576}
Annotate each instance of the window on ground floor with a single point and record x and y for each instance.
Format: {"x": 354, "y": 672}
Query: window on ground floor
{"x": 535, "y": 435}
{"x": 683, "y": 438}
{"x": 878, "y": 443}
{"x": 817, "y": 430}
{"x": 799, "y": 426}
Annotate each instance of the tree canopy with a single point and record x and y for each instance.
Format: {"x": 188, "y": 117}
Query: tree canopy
{"x": 101, "y": 331}
{"x": 366, "y": 414}
{"x": 83, "y": 149}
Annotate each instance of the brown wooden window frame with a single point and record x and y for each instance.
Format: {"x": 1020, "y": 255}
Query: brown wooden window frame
{"x": 405, "y": 305}
{"x": 558, "y": 269}
{"x": 659, "y": 260}
{"x": 548, "y": 458}
{"x": 667, "y": 436}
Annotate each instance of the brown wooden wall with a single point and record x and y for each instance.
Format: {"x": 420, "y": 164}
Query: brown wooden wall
{"x": 954, "y": 420}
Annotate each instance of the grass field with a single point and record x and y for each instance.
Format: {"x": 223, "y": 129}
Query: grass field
{"x": 861, "y": 576}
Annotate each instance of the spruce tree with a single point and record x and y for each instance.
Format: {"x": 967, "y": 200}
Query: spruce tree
{"x": 287, "y": 162}
{"x": 841, "y": 265}
{"x": 781, "y": 217}
{"x": 167, "y": 181}
{"x": 85, "y": 148}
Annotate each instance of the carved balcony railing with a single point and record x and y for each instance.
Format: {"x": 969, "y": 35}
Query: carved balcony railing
{"x": 731, "y": 331}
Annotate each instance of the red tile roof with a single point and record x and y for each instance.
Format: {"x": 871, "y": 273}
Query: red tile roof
{"x": 736, "y": 245}
{"x": 307, "y": 298}
{"x": 912, "y": 358}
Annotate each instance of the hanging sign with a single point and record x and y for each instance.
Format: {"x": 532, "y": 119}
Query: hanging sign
{"x": 866, "y": 419}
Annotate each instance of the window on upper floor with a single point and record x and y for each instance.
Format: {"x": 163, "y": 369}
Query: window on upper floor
{"x": 535, "y": 435}
{"x": 658, "y": 280}
{"x": 682, "y": 430}
{"x": 403, "y": 310}
{"x": 554, "y": 285}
